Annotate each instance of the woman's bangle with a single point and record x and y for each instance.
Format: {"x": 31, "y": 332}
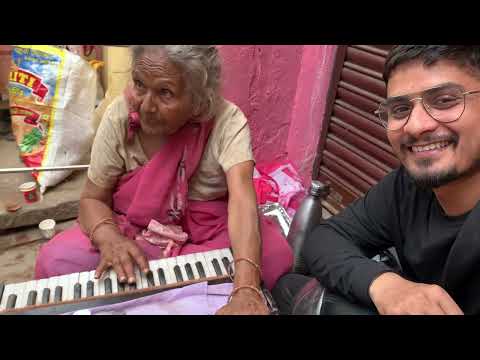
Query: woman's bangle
{"x": 258, "y": 291}
{"x": 94, "y": 228}
{"x": 251, "y": 262}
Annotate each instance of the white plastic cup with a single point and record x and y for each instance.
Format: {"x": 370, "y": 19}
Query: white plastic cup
{"x": 47, "y": 228}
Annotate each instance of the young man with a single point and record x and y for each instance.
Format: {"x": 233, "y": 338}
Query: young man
{"x": 428, "y": 209}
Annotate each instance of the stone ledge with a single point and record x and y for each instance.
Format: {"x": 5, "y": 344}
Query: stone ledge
{"x": 59, "y": 203}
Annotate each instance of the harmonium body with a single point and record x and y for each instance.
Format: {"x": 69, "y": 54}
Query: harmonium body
{"x": 66, "y": 293}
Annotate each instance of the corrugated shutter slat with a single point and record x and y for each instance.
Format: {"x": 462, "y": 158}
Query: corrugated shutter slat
{"x": 354, "y": 153}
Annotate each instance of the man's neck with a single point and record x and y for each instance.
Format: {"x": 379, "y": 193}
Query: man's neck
{"x": 460, "y": 196}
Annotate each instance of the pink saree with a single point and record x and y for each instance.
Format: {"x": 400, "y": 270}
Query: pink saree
{"x": 158, "y": 191}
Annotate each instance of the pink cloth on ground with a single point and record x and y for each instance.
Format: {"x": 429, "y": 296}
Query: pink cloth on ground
{"x": 158, "y": 190}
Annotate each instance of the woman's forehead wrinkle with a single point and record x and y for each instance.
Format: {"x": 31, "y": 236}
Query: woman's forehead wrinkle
{"x": 156, "y": 66}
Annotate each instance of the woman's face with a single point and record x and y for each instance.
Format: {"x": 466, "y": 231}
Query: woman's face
{"x": 165, "y": 105}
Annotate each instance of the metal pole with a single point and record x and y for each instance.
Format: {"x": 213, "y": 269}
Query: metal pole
{"x": 45, "y": 168}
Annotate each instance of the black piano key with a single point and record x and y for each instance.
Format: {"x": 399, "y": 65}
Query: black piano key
{"x": 121, "y": 286}
{"x": 188, "y": 269}
{"x": 216, "y": 266}
{"x": 108, "y": 286}
{"x": 226, "y": 263}
{"x": 77, "y": 291}
{"x": 201, "y": 271}
{"x": 178, "y": 273}
{"x": 12, "y": 299}
{"x": 32, "y": 298}
{"x": 89, "y": 288}
{"x": 45, "y": 296}
{"x": 2, "y": 286}
{"x": 150, "y": 280}
{"x": 132, "y": 286}
{"x": 58, "y": 294}
{"x": 161, "y": 276}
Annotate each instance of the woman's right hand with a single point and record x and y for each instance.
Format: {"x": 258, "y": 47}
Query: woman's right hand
{"x": 121, "y": 254}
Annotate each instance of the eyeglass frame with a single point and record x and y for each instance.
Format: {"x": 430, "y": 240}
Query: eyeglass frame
{"x": 422, "y": 93}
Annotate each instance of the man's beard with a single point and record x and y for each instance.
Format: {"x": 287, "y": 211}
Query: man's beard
{"x": 435, "y": 180}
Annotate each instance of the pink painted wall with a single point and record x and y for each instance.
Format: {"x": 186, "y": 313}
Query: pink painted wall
{"x": 262, "y": 81}
{"x": 309, "y": 107}
{"x": 282, "y": 90}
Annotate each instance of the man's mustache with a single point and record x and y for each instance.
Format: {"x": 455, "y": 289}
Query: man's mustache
{"x": 409, "y": 140}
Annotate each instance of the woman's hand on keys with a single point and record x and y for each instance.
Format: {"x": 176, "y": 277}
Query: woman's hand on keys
{"x": 121, "y": 254}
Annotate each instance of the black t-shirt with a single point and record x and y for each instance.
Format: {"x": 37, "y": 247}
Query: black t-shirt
{"x": 396, "y": 213}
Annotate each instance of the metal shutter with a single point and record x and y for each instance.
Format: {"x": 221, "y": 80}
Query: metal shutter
{"x": 354, "y": 152}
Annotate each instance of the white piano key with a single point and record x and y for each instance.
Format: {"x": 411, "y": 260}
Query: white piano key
{"x": 154, "y": 265}
{"x": 52, "y": 284}
{"x": 64, "y": 282}
{"x": 164, "y": 264}
{"x": 29, "y": 286}
{"x": 209, "y": 256}
{"x": 83, "y": 280}
{"x": 140, "y": 279}
{"x": 168, "y": 269}
{"x": 206, "y": 268}
{"x": 41, "y": 285}
{"x": 73, "y": 280}
{"x": 7, "y": 291}
{"x": 113, "y": 276}
{"x": 21, "y": 296}
{"x": 91, "y": 277}
{"x": 181, "y": 262}
{"x": 191, "y": 259}
{"x": 101, "y": 284}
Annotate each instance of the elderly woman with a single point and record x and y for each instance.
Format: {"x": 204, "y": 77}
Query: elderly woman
{"x": 173, "y": 153}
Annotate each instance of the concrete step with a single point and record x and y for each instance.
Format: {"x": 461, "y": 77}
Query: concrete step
{"x": 59, "y": 203}
{"x": 18, "y": 252}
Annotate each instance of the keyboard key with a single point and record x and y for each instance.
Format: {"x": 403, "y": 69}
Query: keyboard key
{"x": 108, "y": 286}
{"x": 178, "y": 273}
{"x": 216, "y": 266}
{"x": 150, "y": 280}
{"x": 32, "y": 298}
{"x": 77, "y": 291}
{"x": 7, "y": 291}
{"x": 89, "y": 288}
{"x": 191, "y": 260}
{"x": 189, "y": 270}
{"x": 45, "y": 296}
{"x": 11, "y": 301}
{"x": 83, "y": 279}
{"x": 161, "y": 277}
{"x": 58, "y": 294}
{"x": 39, "y": 288}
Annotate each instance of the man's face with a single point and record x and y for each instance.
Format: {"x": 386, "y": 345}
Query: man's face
{"x": 165, "y": 106}
{"x": 436, "y": 153}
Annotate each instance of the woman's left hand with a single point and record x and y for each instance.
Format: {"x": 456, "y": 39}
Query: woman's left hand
{"x": 245, "y": 302}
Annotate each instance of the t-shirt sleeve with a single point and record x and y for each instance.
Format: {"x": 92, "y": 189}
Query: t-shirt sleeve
{"x": 338, "y": 252}
{"x": 107, "y": 164}
{"x": 234, "y": 145}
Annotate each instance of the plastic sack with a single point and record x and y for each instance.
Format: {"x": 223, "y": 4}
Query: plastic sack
{"x": 52, "y": 98}
{"x": 279, "y": 182}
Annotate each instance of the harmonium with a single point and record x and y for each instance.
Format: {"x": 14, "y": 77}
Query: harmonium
{"x": 77, "y": 291}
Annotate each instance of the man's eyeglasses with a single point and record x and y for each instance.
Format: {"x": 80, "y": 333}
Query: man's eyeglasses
{"x": 444, "y": 103}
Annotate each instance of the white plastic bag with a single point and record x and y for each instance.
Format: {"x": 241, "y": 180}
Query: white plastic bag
{"x": 52, "y": 102}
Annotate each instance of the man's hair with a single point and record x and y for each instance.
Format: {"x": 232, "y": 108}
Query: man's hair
{"x": 465, "y": 56}
{"x": 201, "y": 69}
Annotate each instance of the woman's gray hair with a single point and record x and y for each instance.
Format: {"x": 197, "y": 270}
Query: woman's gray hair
{"x": 202, "y": 72}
